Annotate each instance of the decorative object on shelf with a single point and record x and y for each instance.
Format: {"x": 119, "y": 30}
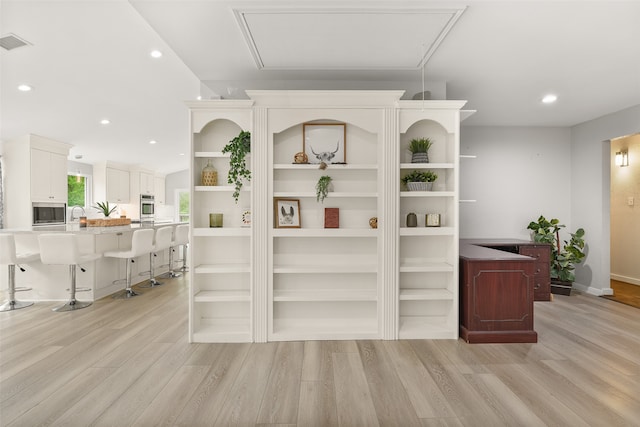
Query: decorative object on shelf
{"x": 105, "y": 209}
{"x": 331, "y": 218}
{"x": 412, "y": 220}
{"x": 563, "y": 260}
{"x": 373, "y": 222}
{"x": 419, "y": 180}
{"x": 238, "y": 147}
{"x": 209, "y": 174}
{"x": 419, "y": 148}
{"x": 325, "y": 143}
{"x": 215, "y": 220}
{"x": 287, "y": 213}
{"x": 432, "y": 220}
{"x": 83, "y": 222}
{"x": 108, "y": 222}
{"x": 300, "y": 158}
{"x": 246, "y": 217}
{"x": 323, "y": 187}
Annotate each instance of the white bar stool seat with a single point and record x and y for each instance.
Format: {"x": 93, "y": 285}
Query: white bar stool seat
{"x": 11, "y": 258}
{"x": 162, "y": 241}
{"x": 181, "y": 238}
{"x": 62, "y": 249}
{"x": 141, "y": 244}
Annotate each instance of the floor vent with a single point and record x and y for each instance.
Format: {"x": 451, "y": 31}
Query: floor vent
{"x": 11, "y": 41}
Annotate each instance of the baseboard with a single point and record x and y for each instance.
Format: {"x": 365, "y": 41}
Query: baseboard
{"x": 625, "y": 279}
{"x": 593, "y": 291}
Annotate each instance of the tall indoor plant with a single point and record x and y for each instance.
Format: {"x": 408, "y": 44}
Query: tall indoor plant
{"x": 563, "y": 258}
{"x": 238, "y": 148}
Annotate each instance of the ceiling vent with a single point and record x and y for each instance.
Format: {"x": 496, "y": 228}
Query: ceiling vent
{"x": 11, "y": 41}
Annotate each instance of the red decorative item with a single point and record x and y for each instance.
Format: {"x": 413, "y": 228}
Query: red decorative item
{"x": 331, "y": 218}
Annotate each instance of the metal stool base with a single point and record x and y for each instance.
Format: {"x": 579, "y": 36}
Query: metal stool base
{"x": 14, "y": 305}
{"x": 152, "y": 284}
{"x": 72, "y": 305}
{"x": 126, "y": 294}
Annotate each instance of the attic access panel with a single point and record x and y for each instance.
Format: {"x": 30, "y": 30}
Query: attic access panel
{"x": 338, "y": 39}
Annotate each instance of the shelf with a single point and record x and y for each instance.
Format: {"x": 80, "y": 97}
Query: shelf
{"x": 426, "y": 165}
{"x": 425, "y": 327}
{"x": 331, "y": 195}
{"x": 222, "y": 268}
{"x": 223, "y": 330}
{"x": 222, "y": 296}
{"x": 425, "y": 295}
{"x": 427, "y": 231}
{"x": 325, "y": 295}
{"x": 315, "y": 167}
{"x": 425, "y": 267}
{"x": 325, "y": 329}
{"x": 221, "y": 231}
{"x": 211, "y": 154}
{"x": 427, "y": 194}
{"x": 325, "y": 232}
{"x": 321, "y": 269}
{"x": 220, "y": 188}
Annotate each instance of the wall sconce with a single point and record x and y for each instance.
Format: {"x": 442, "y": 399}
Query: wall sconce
{"x": 622, "y": 158}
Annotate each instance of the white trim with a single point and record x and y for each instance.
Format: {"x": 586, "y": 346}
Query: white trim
{"x": 592, "y": 290}
{"x": 626, "y": 279}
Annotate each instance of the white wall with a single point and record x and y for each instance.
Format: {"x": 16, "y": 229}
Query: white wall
{"x": 625, "y": 218}
{"x": 590, "y": 183}
{"x": 519, "y": 174}
{"x": 175, "y": 181}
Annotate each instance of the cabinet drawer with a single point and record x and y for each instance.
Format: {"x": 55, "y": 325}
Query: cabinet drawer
{"x": 541, "y": 253}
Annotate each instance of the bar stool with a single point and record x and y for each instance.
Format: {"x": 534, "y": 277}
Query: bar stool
{"x": 182, "y": 238}
{"x": 141, "y": 244}
{"x": 62, "y": 248}
{"x": 162, "y": 242}
{"x": 10, "y": 258}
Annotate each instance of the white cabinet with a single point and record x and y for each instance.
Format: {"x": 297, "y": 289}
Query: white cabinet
{"x": 159, "y": 190}
{"x": 48, "y": 176}
{"x": 147, "y": 183}
{"x": 269, "y": 283}
{"x": 117, "y": 185}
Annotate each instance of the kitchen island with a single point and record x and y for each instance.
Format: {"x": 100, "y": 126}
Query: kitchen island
{"x": 49, "y": 282}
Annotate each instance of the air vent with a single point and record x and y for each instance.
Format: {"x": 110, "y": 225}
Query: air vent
{"x": 11, "y": 41}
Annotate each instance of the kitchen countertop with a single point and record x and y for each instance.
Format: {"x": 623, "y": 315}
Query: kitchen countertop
{"x": 75, "y": 228}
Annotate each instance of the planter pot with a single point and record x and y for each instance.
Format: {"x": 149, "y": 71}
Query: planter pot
{"x": 419, "y": 186}
{"x": 559, "y": 287}
{"x": 420, "y": 158}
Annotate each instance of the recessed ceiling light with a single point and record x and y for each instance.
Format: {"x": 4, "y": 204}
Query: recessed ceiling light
{"x": 549, "y": 99}
{"x": 156, "y": 54}
{"x": 105, "y": 121}
{"x": 24, "y": 88}
{"x": 153, "y": 141}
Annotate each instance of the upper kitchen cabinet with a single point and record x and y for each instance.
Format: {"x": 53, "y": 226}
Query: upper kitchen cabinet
{"x": 36, "y": 171}
{"x": 147, "y": 183}
{"x": 159, "y": 189}
{"x": 111, "y": 183}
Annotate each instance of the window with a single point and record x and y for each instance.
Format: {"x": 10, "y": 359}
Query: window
{"x": 77, "y": 188}
{"x": 182, "y": 197}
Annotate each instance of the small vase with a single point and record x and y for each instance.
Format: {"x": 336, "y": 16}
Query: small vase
{"x": 412, "y": 220}
{"x": 420, "y": 158}
{"x": 209, "y": 175}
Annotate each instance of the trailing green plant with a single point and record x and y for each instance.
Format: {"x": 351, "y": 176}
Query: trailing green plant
{"x": 105, "y": 209}
{"x": 419, "y": 176}
{"x": 322, "y": 187}
{"x": 238, "y": 148}
{"x": 565, "y": 258}
{"x": 420, "y": 145}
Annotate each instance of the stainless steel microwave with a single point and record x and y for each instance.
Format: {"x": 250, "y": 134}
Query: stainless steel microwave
{"x": 49, "y": 213}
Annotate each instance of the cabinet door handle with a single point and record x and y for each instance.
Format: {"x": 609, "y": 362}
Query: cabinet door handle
{"x": 536, "y": 286}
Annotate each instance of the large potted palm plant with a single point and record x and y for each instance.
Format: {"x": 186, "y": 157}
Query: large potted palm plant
{"x": 563, "y": 258}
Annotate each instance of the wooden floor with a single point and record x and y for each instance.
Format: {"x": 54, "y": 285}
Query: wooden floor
{"x": 121, "y": 363}
{"x": 625, "y": 293}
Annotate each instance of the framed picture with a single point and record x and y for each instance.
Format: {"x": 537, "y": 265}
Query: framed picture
{"x": 287, "y": 213}
{"x": 325, "y": 142}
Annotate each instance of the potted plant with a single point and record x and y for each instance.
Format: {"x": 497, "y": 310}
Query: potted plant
{"x": 563, "y": 259}
{"x": 238, "y": 148}
{"x": 323, "y": 186}
{"x": 105, "y": 209}
{"x": 419, "y": 181}
{"x": 419, "y": 148}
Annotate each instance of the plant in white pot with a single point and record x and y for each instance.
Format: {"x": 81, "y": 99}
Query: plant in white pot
{"x": 419, "y": 180}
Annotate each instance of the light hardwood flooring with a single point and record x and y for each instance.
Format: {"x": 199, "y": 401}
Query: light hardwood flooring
{"x": 128, "y": 363}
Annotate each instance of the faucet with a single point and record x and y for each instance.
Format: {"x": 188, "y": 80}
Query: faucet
{"x": 73, "y": 209}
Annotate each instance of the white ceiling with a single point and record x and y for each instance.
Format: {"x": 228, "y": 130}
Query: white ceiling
{"x": 89, "y": 60}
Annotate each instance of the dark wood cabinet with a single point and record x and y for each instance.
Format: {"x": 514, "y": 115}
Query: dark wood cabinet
{"x": 541, "y": 269}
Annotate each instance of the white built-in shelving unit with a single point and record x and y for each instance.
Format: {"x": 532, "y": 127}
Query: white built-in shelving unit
{"x": 264, "y": 283}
